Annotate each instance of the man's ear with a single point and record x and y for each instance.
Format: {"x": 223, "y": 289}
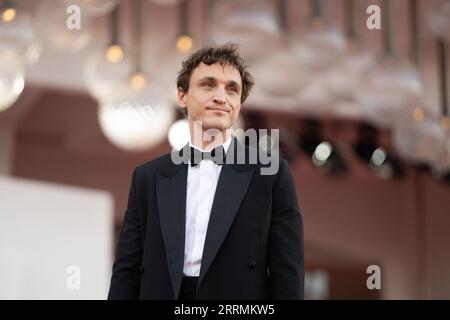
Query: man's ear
{"x": 182, "y": 98}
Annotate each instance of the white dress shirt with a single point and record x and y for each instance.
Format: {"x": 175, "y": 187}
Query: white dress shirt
{"x": 201, "y": 187}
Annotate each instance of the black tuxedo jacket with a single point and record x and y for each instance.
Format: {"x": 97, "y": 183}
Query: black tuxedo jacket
{"x": 254, "y": 242}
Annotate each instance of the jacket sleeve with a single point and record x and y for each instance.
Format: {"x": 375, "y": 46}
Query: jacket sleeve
{"x": 125, "y": 280}
{"x": 285, "y": 251}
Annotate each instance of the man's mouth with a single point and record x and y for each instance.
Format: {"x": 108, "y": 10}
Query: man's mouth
{"x": 218, "y": 109}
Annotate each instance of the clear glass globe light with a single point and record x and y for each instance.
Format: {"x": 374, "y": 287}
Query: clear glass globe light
{"x": 280, "y": 73}
{"x": 54, "y": 26}
{"x": 390, "y": 91}
{"x": 320, "y": 46}
{"x": 420, "y": 137}
{"x": 179, "y": 134}
{"x": 250, "y": 23}
{"x": 314, "y": 98}
{"x": 106, "y": 79}
{"x": 443, "y": 159}
{"x": 346, "y": 76}
{"x": 12, "y": 78}
{"x": 19, "y": 34}
{"x": 170, "y": 64}
{"x": 347, "y": 109}
{"x": 137, "y": 123}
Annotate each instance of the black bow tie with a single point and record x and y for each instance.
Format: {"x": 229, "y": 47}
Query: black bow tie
{"x": 217, "y": 155}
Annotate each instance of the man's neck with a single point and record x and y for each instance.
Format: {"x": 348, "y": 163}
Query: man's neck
{"x": 207, "y": 142}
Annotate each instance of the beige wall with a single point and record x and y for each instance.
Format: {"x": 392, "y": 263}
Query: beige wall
{"x": 437, "y": 224}
{"x": 6, "y": 149}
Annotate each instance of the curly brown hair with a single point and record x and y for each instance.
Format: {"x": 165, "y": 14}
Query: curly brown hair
{"x": 227, "y": 54}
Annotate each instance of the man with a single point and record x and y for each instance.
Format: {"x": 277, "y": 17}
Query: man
{"x": 208, "y": 229}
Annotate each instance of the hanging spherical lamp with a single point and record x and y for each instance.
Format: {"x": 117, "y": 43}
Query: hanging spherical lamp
{"x": 12, "y": 78}
{"x": 61, "y": 29}
{"x": 106, "y": 73}
{"x": 250, "y": 23}
{"x": 17, "y": 32}
{"x": 390, "y": 90}
{"x": 136, "y": 123}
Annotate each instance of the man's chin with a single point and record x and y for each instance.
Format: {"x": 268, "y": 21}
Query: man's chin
{"x": 217, "y": 125}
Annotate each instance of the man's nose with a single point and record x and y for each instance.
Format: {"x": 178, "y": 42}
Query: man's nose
{"x": 220, "y": 97}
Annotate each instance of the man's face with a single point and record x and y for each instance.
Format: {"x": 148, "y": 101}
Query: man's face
{"x": 214, "y": 96}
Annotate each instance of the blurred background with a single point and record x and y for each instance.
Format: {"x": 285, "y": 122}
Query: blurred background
{"x": 358, "y": 89}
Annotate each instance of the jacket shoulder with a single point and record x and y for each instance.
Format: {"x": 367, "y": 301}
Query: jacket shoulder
{"x": 269, "y": 164}
{"x": 152, "y": 166}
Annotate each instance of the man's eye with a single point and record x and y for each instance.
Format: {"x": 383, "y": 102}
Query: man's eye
{"x": 207, "y": 85}
{"x": 234, "y": 90}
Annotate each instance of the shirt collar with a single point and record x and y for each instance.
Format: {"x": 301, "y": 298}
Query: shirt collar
{"x": 225, "y": 145}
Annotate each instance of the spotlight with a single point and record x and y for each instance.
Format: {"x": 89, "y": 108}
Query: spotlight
{"x": 440, "y": 173}
{"x": 328, "y": 159}
{"x": 383, "y": 164}
{"x": 324, "y": 155}
{"x": 379, "y": 164}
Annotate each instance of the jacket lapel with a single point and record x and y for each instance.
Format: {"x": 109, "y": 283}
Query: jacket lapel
{"x": 231, "y": 188}
{"x": 171, "y": 196}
